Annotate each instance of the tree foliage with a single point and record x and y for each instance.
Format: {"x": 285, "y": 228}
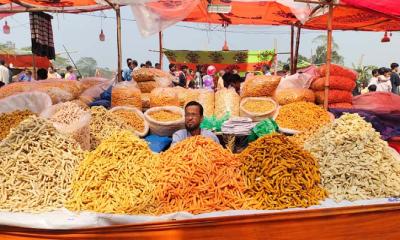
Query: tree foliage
{"x": 319, "y": 57}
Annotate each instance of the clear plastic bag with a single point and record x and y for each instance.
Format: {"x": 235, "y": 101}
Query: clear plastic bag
{"x": 298, "y": 80}
{"x": 227, "y": 101}
{"x": 126, "y": 94}
{"x": 160, "y": 97}
{"x": 77, "y": 127}
{"x": 286, "y": 96}
{"x": 147, "y": 87}
{"x": 260, "y": 86}
{"x": 95, "y": 91}
{"x": 206, "y": 99}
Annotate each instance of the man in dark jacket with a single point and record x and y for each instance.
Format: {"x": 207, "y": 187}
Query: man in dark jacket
{"x": 394, "y": 78}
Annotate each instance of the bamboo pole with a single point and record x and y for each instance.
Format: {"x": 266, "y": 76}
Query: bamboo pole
{"x": 328, "y": 56}
{"x": 160, "y": 40}
{"x": 119, "y": 45}
{"x": 291, "y": 49}
{"x": 296, "y": 53}
{"x": 34, "y": 66}
{"x": 276, "y": 57}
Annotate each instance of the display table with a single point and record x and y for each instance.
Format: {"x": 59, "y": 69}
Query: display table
{"x": 362, "y": 222}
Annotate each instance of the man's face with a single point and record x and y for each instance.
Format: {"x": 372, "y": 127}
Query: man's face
{"x": 396, "y": 69}
{"x": 192, "y": 118}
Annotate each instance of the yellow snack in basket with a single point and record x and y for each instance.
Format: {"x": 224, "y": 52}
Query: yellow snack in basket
{"x": 258, "y": 106}
{"x": 131, "y": 118}
{"x": 165, "y": 116}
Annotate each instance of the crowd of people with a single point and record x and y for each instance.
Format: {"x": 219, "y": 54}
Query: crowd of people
{"x": 384, "y": 80}
{"x": 7, "y": 76}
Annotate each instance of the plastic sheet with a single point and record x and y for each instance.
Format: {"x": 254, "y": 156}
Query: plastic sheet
{"x": 298, "y": 80}
{"x": 35, "y": 102}
{"x": 93, "y": 92}
{"x": 378, "y": 102}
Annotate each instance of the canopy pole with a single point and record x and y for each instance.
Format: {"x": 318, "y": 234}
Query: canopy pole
{"x": 296, "y": 54}
{"x": 160, "y": 40}
{"x": 276, "y": 57}
{"x": 119, "y": 45}
{"x": 328, "y": 57}
{"x": 34, "y": 66}
{"x": 291, "y": 49}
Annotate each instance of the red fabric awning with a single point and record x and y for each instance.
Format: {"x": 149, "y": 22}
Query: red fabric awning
{"x": 351, "y": 18}
{"x": 25, "y": 61}
{"x": 391, "y": 7}
{"x": 249, "y": 13}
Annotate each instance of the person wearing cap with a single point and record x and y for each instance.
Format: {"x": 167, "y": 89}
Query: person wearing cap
{"x": 208, "y": 80}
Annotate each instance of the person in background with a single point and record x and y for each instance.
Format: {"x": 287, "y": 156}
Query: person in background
{"x": 26, "y": 76}
{"x": 190, "y": 79}
{"x": 220, "y": 82}
{"x": 174, "y": 73}
{"x": 266, "y": 70}
{"x": 10, "y": 73}
{"x": 70, "y": 74}
{"x": 208, "y": 80}
{"x": 182, "y": 76}
{"x": 127, "y": 72}
{"x": 52, "y": 74}
{"x": 135, "y": 65}
{"x": 142, "y": 65}
{"x": 286, "y": 70}
{"x": 394, "y": 78}
{"x": 158, "y": 66}
{"x": 62, "y": 75}
{"x": 374, "y": 78}
{"x": 128, "y": 60}
{"x": 193, "y": 119}
{"x": 149, "y": 64}
{"x": 42, "y": 74}
{"x": 382, "y": 82}
{"x": 4, "y": 73}
{"x": 372, "y": 88}
{"x": 235, "y": 82}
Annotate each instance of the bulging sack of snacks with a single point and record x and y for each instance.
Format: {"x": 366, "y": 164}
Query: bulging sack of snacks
{"x": 14, "y": 88}
{"x": 227, "y": 100}
{"x": 186, "y": 95}
{"x": 334, "y": 96}
{"x": 291, "y": 95}
{"x": 126, "y": 94}
{"x": 147, "y": 87}
{"x": 134, "y": 118}
{"x": 72, "y": 87}
{"x": 89, "y": 82}
{"x": 35, "y": 102}
{"x": 257, "y": 108}
{"x": 337, "y": 70}
{"x": 206, "y": 98}
{"x": 164, "y": 121}
{"x": 70, "y": 119}
{"x": 150, "y": 74}
{"x": 260, "y": 86}
{"x": 145, "y": 101}
{"x": 335, "y": 83}
{"x": 160, "y": 97}
{"x": 298, "y": 80}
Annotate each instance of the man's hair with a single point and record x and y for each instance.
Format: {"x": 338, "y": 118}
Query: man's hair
{"x": 2, "y": 62}
{"x": 41, "y": 74}
{"x": 286, "y": 67}
{"x": 128, "y": 60}
{"x": 194, "y": 103}
{"x": 394, "y": 65}
{"x": 382, "y": 70}
{"x": 184, "y": 67}
{"x": 135, "y": 63}
{"x": 372, "y": 88}
{"x": 157, "y": 64}
{"x": 142, "y": 65}
{"x": 171, "y": 65}
{"x": 375, "y": 71}
{"x": 148, "y": 63}
{"x": 69, "y": 68}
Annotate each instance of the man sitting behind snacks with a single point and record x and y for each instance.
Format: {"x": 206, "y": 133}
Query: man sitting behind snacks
{"x": 193, "y": 118}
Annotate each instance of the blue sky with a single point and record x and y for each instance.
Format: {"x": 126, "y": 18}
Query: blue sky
{"x": 80, "y": 33}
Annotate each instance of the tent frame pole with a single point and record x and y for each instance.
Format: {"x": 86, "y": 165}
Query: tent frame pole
{"x": 328, "y": 57}
{"x": 296, "y": 54}
{"x": 160, "y": 40}
{"x": 292, "y": 49}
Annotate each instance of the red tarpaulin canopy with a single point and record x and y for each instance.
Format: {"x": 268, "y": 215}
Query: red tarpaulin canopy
{"x": 391, "y": 7}
{"x": 25, "y": 61}
{"x": 351, "y": 18}
{"x": 249, "y": 13}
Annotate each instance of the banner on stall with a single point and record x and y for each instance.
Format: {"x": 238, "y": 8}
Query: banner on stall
{"x": 241, "y": 60}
